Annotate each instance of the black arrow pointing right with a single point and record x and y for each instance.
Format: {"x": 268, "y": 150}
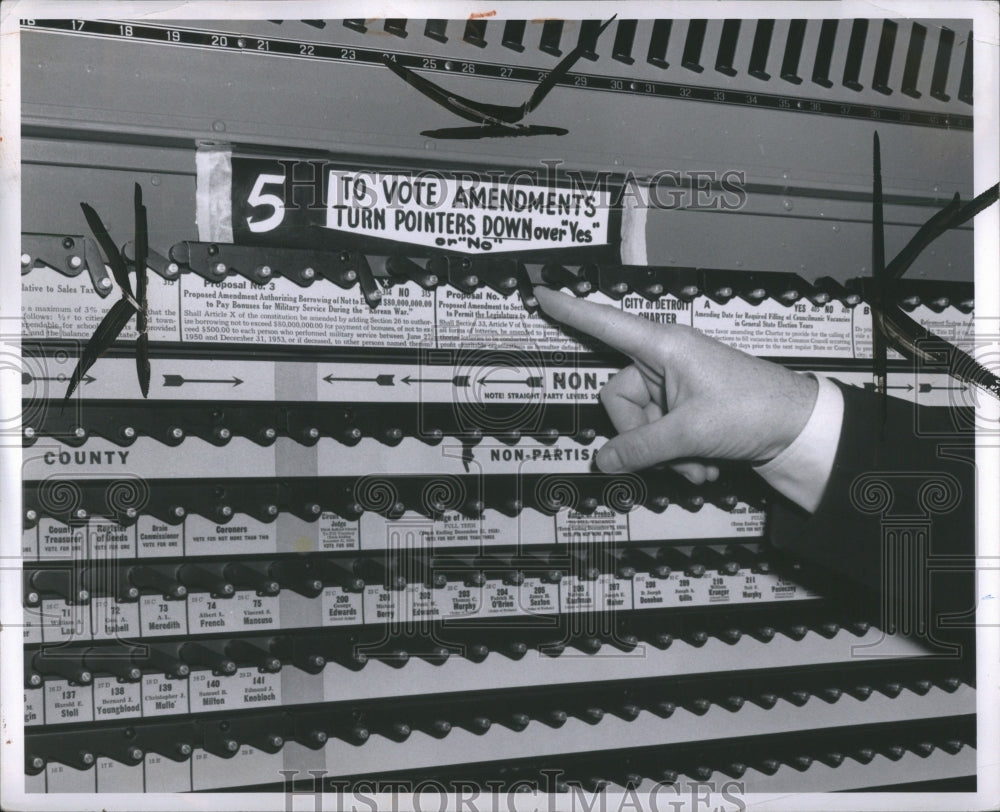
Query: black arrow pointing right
{"x": 27, "y": 377}
{"x": 180, "y": 380}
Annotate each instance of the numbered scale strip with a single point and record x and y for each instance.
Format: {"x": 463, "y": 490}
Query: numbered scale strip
{"x": 323, "y": 52}
{"x": 367, "y": 663}
{"x": 374, "y": 275}
{"x": 95, "y": 600}
{"x": 633, "y": 714}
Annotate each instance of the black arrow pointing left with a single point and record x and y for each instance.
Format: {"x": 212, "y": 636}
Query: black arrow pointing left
{"x": 381, "y": 380}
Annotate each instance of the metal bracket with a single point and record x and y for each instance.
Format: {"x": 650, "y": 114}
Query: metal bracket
{"x": 67, "y": 254}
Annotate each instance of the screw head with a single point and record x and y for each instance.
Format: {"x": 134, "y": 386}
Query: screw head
{"x": 689, "y": 290}
{"x": 75, "y": 262}
{"x": 177, "y": 433}
{"x": 172, "y": 269}
{"x": 29, "y": 433}
{"x": 184, "y": 749}
{"x": 79, "y": 432}
{"x": 852, "y": 299}
{"x": 79, "y": 513}
{"x": 104, "y": 283}
{"x": 758, "y": 293}
{"x": 33, "y": 598}
{"x": 265, "y": 271}
{"x": 350, "y": 276}
{"x": 225, "y": 511}
{"x": 219, "y": 268}
{"x": 87, "y": 758}
{"x": 31, "y": 515}
{"x": 223, "y": 433}
{"x": 619, "y": 287}
{"x": 128, "y": 433}
{"x": 724, "y": 292}
{"x": 472, "y": 280}
{"x": 656, "y": 289}
{"x": 270, "y": 433}
{"x": 178, "y": 512}
{"x": 510, "y": 282}
{"x": 271, "y": 510}
{"x": 431, "y": 280}
{"x": 308, "y": 273}
{"x": 26, "y": 260}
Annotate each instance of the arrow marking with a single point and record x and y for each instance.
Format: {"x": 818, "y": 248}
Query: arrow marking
{"x": 381, "y": 380}
{"x": 533, "y": 382}
{"x": 27, "y": 377}
{"x": 458, "y": 380}
{"x": 180, "y": 380}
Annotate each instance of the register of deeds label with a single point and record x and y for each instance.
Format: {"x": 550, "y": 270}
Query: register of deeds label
{"x": 116, "y": 699}
{"x": 163, "y": 695}
{"x": 66, "y": 702}
{"x": 110, "y": 540}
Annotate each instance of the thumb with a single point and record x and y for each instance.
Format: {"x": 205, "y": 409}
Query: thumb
{"x": 642, "y": 447}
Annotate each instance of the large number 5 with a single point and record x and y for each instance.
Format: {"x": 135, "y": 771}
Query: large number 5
{"x": 258, "y": 198}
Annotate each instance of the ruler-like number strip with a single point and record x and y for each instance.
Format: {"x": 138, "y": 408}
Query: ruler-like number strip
{"x": 270, "y": 46}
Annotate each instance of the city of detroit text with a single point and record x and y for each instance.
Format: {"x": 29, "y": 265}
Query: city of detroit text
{"x": 425, "y": 205}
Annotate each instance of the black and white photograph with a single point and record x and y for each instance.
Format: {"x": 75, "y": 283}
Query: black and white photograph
{"x": 500, "y": 406}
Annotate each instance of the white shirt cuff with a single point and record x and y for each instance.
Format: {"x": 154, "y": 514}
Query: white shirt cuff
{"x": 801, "y": 471}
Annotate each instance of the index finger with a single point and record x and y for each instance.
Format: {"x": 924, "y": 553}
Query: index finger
{"x": 621, "y": 331}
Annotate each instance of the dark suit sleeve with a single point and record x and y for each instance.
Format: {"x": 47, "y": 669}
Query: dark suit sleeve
{"x": 899, "y": 505}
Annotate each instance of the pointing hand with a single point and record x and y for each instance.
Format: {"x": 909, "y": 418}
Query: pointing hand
{"x": 686, "y": 399}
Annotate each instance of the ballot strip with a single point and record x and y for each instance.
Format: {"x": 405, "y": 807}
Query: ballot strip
{"x": 352, "y": 54}
{"x": 200, "y": 613}
{"x": 60, "y": 702}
